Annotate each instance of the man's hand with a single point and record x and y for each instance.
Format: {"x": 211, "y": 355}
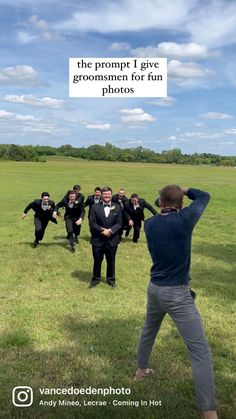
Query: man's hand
{"x": 54, "y": 214}
{"x": 106, "y": 232}
{"x": 131, "y": 223}
{"x": 79, "y": 222}
{"x": 23, "y": 216}
{"x": 185, "y": 190}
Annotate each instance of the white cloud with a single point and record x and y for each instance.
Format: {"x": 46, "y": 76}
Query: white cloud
{"x": 98, "y": 126}
{"x": 44, "y": 128}
{"x": 194, "y": 17}
{"x": 179, "y": 70}
{"x": 134, "y": 111}
{"x": 34, "y": 29}
{"x": 115, "y": 16}
{"x": 138, "y": 126}
{"x": 18, "y": 123}
{"x": 134, "y": 142}
{"x": 5, "y": 115}
{"x": 164, "y": 102}
{"x": 32, "y": 100}
{"x": 23, "y": 75}
{"x": 136, "y": 115}
{"x": 25, "y": 118}
{"x": 215, "y": 115}
{"x": 38, "y": 23}
{"x": 172, "y": 138}
{"x": 42, "y": 27}
{"x": 173, "y": 50}
{"x": 231, "y": 131}
{"x": 119, "y": 46}
{"x": 199, "y": 125}
{"x": 218, "y": 14}
{"x": 25, "y": 38}
{"x": 202, "y": 135}
{"x": 17, "y": 117}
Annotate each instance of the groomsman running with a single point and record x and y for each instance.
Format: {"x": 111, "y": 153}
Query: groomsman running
{"x": 120, "y": 199}
{"x": 79, "y": 195}
{"x": 43, "y": 209}
{"x": 73, "y": 217}
{"x": 134, "y": 208}
{"x": 93, "y": 199}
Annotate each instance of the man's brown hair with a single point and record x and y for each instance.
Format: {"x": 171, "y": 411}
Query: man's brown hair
{"x": 172, "y": 196}
{"x": 106, "y": 189}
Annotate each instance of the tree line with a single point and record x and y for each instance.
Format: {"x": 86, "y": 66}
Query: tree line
{"x": 109, "y": 152}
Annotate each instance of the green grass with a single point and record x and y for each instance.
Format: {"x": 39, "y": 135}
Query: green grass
{"x": 55, "y": 332}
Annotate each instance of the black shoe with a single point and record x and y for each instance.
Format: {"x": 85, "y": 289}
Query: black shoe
{"x": 111, "y": 283}
{"x": 72, "y": 249}
{"x": 93, "y": 284}
{"x": 126, "y": 233}
{"x": 35, "y": 244}
{"x": 76, "y": 240}
{"x": 135, "y": 240}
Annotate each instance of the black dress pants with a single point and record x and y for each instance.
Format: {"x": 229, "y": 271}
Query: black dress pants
{"x": 137, "y": 227}
{"x": 136, "y": 230}
{"x": 72, "y": 230}
{"x": 98, "y": 254}
{"x": 40, "y": 227}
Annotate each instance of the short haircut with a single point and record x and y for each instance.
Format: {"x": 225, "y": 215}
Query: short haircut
{"x": 122, "y": 189}
{"x": 172, "y": 196}
{"x": 97, "y": 189}
{"x": 70, "y": 193}
{"x": 76, "y": 187}
{"x": 106, "y": 189}
{"x": 45, "y": 194}
{"x": 134, "y": 195}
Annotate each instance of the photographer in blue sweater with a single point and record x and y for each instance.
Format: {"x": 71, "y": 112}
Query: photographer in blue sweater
{"x": 169, "y": 237}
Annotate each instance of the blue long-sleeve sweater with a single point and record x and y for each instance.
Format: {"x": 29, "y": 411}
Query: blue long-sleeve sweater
{"x": 169, "y": 240}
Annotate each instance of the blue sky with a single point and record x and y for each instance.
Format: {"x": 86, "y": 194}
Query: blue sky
{"x": 197, "y": 37}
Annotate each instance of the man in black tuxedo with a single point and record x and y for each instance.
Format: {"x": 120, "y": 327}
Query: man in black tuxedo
{"x": 79, "y": 195}
{"x": 134, "y": 208}
{"x": 43, "y": 209}
{"x": 73, "y": 217}
{"x": 79, "y": 202}
{"x": 105, "y": 221}
{"x": 93, "y": 199}
{"x": 120, "y": 199}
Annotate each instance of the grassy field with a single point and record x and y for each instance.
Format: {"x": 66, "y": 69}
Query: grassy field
{"x": 55, "y": 332}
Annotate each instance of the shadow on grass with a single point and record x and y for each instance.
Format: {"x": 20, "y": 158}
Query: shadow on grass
{"x": 101, "y": 354}
{"x": 85, "y": 238}
{"x": 46, "y": 244}
{"x": 225, "y": 252}
{"x": 215, "y": 282}
{"x": 60, "y": 237}
{"x": 83, "y": 276}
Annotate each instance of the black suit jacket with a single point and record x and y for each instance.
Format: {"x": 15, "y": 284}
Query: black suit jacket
{"x": 116, "y": 199}
{"x": 89, "y": 202}
{"x": 138, "y": 214}
{"x": 76, "y": 212}
{"x": 39, "y": 212}
{"x": 98, "y": 221}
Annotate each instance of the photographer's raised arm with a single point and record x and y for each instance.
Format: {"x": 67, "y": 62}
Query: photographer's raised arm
{"x": 200, "y": 200}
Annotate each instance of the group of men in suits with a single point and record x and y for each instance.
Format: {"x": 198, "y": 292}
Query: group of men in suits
{"x": 109, "y": 215}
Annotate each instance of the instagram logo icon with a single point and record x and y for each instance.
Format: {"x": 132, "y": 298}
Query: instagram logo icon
{"x": 22, "y": 396}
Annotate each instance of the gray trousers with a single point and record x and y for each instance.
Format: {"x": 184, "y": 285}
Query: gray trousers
{"x": 179, "y": 304}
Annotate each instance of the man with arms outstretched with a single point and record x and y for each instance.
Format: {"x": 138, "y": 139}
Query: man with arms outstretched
{"x": 43, "y": 211}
